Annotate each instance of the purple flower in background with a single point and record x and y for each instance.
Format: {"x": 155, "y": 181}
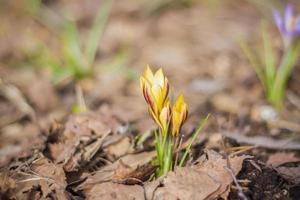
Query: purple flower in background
{"x": 288, "y": 25}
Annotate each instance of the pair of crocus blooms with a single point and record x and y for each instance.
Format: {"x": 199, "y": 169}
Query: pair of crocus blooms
{"x": 169, "y": 118}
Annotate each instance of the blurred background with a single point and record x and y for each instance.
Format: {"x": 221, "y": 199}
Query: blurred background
{"x": 59, "y": 57}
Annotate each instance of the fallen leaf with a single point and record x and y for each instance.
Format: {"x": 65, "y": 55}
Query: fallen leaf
{"x": 227, "y": 103}
{"x": 129, "y": 108}
{"x": 6, "y": 183}
{"x": 128, "y": 175}
{"x": 45, "y": 168}
{"x": 131, "y": 167}
{"x": 280, "y": 158}
{"x": 187, "y": 184}
{"x": 79, "y": 141}
{"x": 291, "y": 174}
{"x": 262, "y": 141}
{"x": 209, "y": 179}
{"x": 39, "y": 180}
{"x": 48, "y": 100}
{"x": 53, "y": 179}
{"x": 19, "y": 141}
{"x": 108, "y": 191}
{"x": 15, "y": 96}
{"x": 120, "y": 148}
{"x": 86, "y": 124}
{"x": 217, "y": 168}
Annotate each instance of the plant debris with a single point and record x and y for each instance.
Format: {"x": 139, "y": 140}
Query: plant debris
{"x": 74, "y": 125}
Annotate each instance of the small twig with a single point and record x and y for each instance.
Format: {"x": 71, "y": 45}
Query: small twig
{"x": 239, "y": 188}
{"x": 240, "y": 150}
{"x": 80, "y": 98}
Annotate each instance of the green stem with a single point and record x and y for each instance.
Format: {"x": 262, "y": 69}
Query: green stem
{"x": 283, "y": 73}
{"x": 169, "y": 157}
{"x": 195, "y": 134}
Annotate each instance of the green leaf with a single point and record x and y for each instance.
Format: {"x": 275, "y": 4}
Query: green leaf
{"x": 73, "y": 56}
{"x": 195, "y": 134}
{"x": 254, "y": 61}
{"x": 97, "y": 30}
{"x": 284, "y": 71}
{"x": 270, "y": 69}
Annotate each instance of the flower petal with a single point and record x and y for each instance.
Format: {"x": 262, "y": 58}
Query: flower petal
{"x": 148, "y": 74}
{"x": 278, "y": 20}
{"x": 297, "y": 26}
{"x": 159, "y": 78}
{"x": 288, "y": 14}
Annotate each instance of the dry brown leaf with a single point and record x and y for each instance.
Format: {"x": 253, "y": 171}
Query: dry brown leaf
{"x": 53, "y": 179}
{"x": 151, "y": 187}
{"x": 42, "y": 179}
{"x": 108, "y": 191}
{"x": 227, "y": 103}
{"x": 120, "y": 148}
{"x": 262, "y": 141}
{"x": 110, "y": 172}
{"x": 187, "y": 184}
{"x": 210, "y": 179}
{"x": 280, "y": 158}
{"x": 6, "y": 183}
{"x": 48, "y": 100}
{"x": 128, "y": 175}
{"x": 15, "y": 96}
{"x": 291, "y": 174}
{"x": 80, "y": 140}
{"x": 19, "y": 141}
{"x": 217, "y": 168}
{"x": 46, "y": 168}
{"x": 129, "y": 108}
{"x": 122, "y": 170}
{"x": 86, "y": 124}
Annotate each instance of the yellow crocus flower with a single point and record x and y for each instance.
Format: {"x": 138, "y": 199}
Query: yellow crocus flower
{"x": 155, "y": 89}
{"x": 179, "y": 115}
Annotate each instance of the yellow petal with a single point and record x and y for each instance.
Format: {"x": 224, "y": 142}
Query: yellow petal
{"x": 147, "y": 91}
{"x": 155, "y": 118}
{"x": 175, "y": 123}
{"x": 159, "y": 78}
{"x": 148, "y": 74}
{"x": 163, "y": 118}
{"x": 179, "y": 115}
{"x": 179, "y": 102}
{"x": 157, "y": 93}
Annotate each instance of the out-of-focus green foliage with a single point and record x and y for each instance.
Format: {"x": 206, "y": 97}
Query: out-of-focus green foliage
{"x": 272, "y": 75}
{"x": 77, "y": 59}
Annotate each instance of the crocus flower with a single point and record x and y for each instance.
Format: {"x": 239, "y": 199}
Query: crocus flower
{"x": 155, "y": 89}
{"x": 288, "y": 25}
{"x": 179, "y": 115}
{"x": 164, "y": 118}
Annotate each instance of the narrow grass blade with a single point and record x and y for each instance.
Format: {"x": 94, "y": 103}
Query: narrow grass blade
{"x": 195, "y": 134}
{"x": 72, "y": 51}
{"x": 270, "y": 69}
{"x": 254, "y": 61}
{"x": 168, "y": 158}
{"x": 97, "y": 30}
{"x": 283, "y": 74}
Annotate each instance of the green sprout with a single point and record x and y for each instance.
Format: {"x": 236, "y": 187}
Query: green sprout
{"x": 169, "y": 119}
{"x": 273, "y": 75}
{"x": 76, "y": 60}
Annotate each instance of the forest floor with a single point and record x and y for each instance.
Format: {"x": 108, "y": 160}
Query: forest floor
{"x": 247, "y": 150}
